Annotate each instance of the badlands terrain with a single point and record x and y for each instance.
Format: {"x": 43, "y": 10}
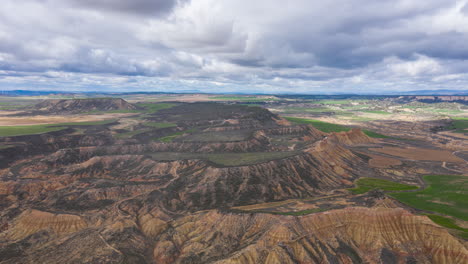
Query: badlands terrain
{"x": 196, "y": 178}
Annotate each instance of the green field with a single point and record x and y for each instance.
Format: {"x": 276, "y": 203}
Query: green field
{"x": 159, "y": 125}
{"x": 86, "y": 123}
{"x": 167, "y": 139}
{"x": 243, "y": 98}
{"x": 236, "y": 159}
{"x": 459, "y": 124}
{"x": 373, "y": 134}
{"x": 366, "y": 184}
{"x": 331, "y": 102}
{"x": 380, "y": 112}
{"x": 9, "y": 131}
{"x": 449, "y": 223}
{"x": 131, "y": 133}
{"x": 329, "y": 127}
{"x": 5, "y": 146}
{"x": 155, "y": 107}
{"x": 306, "y": 110}
{"x": 294, "y": 213}
{"x": 120, "y": 111}
{"x": 445, "y": 194}
{"x": 320, "y": 125}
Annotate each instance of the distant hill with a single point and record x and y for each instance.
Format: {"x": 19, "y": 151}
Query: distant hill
{"x": 83, "y": 105}
{"x": 436, "y": 98}
{"x": 435, "y": 92}
{"x": 312, "y": 94}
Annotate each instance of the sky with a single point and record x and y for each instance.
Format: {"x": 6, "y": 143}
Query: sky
{"x": 261, "y": 46}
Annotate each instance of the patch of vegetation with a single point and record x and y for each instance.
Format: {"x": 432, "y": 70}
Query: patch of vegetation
{"x": 224, "y": 136}
{"x": 376, "y": 112}
{"x": 306, "y": 110}
{"x": 366, "y": 184}
{"x": 356, "y": 107}
{"x": 167, "y": 139}
{"x": 445, "y": 194}
{"x": 252, "y": 105}
{"x": 5, "y": 146}
{"x": 155, "y": 107}
{"x": 225, "y": 159}
{"x": 459, "y": 124}
{"x": 362, "y": 118}
{"x": 295, "y": 213}
{"x": 373, "y": 134}
{"x": 320, "y": 125}
{"x": 244, "y": 98}
{"x": 9, "y": 131}
{"x": 236, "y": 159}
{"x": 330, "y": 127}
{"x": 331, "y": 102}
{"x": 130, "y": 133}
{"x": 118, "y": 111}
{"x": 10, "y": 107}
{"x": 86, "y": 123}
{"x": 449, "y": 223}
{"x": 159, "y": 125}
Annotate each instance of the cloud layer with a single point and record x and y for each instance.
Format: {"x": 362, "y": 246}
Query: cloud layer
{"x": 299, "y": 46}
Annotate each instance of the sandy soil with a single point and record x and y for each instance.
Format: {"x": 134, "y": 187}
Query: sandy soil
{"x": 40, "y": 119}
{"x": 451, "y": 134}
{"x": 382, "y": 162}
{"x": 419, "y": 154}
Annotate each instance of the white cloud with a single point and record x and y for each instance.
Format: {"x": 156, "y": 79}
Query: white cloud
{"x": 210, "y": 45}
{"x": 421, "y": 65}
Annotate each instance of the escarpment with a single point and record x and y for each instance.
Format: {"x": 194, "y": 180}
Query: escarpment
{"x": 196, "y": 184}
{"x": 354, "y": 136}
{"x": 83, "y": 105}
{"x": 33, "y": 221}
{"x": 352, "y": 235}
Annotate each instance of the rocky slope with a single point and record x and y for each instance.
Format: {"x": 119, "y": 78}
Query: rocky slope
{"x": 351, "y": 235}
{"x": 187, "y": 184}
{"x": 60, "y": 106}
{"x": 352, "y": 137}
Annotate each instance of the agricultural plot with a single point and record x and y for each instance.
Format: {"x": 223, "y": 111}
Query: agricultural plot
{"x": 8, "y": 131}
{"x": 366, "y": 184}
{"x": 320, "y": 125}
{"x": 445, "y": 194}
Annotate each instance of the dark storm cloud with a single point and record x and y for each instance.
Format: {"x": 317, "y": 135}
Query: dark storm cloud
{"x": 146, "y": 7}
{"x": 207, "y": 44}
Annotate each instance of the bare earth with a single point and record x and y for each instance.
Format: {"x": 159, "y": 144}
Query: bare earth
{"x": 419, "y": 154}
{"x": 42, "y": 119}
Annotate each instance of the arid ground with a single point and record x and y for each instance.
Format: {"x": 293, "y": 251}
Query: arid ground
{"x": 199, "y": 178}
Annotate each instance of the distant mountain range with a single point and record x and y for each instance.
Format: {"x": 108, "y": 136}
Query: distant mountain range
{"x": 43, "y": 93}
{"x": 435, "y": 92}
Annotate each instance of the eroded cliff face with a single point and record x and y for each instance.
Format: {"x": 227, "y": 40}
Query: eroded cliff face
{"x": 83, "y": 105}
{"x": 180, "y": 185}
{"x": 33, "y": 221}
{"x": 352, "y": 137}
{"x": 94, "y": 198}
{"x": 351, "y": 235}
